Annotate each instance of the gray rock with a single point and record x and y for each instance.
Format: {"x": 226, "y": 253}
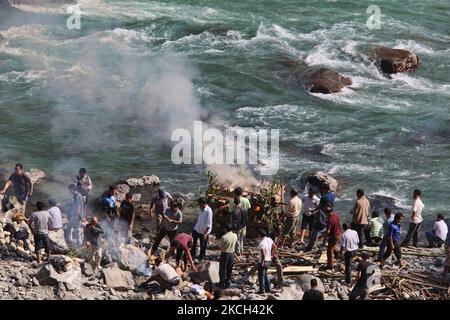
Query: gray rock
{"x": 118, "y": 279}
{"x": 439, "y": 262}
{"x": 58, "y": 242}
{"x": 316, "y": 180}
{"x": 47, "y": 275}
{"x": 12, "y": 291}
{"x": 72, "y": 279}
{"x": 129, "y": 257}
{"x": 209, "y": 271}
{"x": 61, "y": 291}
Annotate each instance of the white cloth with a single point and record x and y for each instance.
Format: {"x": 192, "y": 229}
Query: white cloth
{"x": 417, "y": 207}
{"x": 266, "y": 246}
{"x": 309, "y": 204}
{"x": 350, "y": 240}
{"x": 56, "y": 216}
{"x": 204, "y": 220}
{"x": 440, "y": 229}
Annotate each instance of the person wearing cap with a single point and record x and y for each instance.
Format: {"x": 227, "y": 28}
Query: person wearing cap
{"x": 202, "y": 228}
{"x": 55, "y": 212}
{"x": 159, "y": 204}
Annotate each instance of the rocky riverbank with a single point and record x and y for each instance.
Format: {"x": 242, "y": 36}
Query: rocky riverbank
{"x": 126, "y": 267}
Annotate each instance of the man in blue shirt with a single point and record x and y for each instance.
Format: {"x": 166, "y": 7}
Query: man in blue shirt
{"x": 327, "y": 196}
{"x": 393, "y": 240}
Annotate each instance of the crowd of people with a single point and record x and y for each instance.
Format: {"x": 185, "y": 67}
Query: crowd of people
{"x": 320, "y": 226}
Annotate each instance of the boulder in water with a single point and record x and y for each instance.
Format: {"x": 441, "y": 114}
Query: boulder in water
{"x": 392, "y": 61}
{"x": 324, "y": 80}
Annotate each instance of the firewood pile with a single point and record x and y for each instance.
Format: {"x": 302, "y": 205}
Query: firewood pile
{"x": 266, "y": 198}
{"x": 407, "y": 285}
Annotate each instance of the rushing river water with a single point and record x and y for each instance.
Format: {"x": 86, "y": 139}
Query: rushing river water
{"x": 108, "y": 95}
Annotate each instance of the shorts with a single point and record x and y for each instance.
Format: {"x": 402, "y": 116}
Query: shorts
{"x": 307, "y": 222}
{"x": 290, "y": 225}
{"x": 41, "y": 240}
{"x": 447, "y": 255}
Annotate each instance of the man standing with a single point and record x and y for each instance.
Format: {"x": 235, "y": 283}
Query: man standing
{"x": 23, "y": 187}
{"x": 393, "y": 240}
{"x": 416, "y": 220}
{"x": 389, "y": 218}
{"x": 160, "y": 203}
{"x": 319, "y": 227}
{"x": 239, "y": 224}
{"x": 182, "y": 244}
{"x": 313, "y": 294}
{"x": 360, "y": 215}
{"x": 291, "y": 218}
{"x": 436, "y": 237}
{"x": 92, "y": 233}
{"x": 202, "y": 228}
{"x": 349, "y": 246}
{"x": 245, "y": 203}
{"x": 172, "y": 218}
{"x": 267, "y": 248}
{"x": 84, "y": 185}
{"x": 360, "y": 289}
{"x": 226, "y": 244}
{"x": 310, "y": 203}
{"x": 126, "y": 217}
{"x": 447, "y": 255}
{"x": 56, "y": 215}
{"x": 39, "y": 223}
{"x": 77, "y": 214}
{"x": 333, "y": 234}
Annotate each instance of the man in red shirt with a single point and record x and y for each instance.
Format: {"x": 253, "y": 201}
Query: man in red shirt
{"x": 182, "y": 244}
{"x": 333, "y": 233}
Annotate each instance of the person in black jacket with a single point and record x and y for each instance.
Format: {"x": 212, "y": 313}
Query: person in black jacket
{"x": 239, "y": 224}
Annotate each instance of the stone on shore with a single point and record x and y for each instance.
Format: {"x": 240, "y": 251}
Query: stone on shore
{"x": 58, "y": 242}
{"x": 132, "y": 258}
{"x": 143, "y": 181}
{"x": 209, "y": 271}
{"x": 118, "y": 279}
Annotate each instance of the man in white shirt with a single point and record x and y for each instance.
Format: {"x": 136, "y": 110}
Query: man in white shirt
{"x": 267, "y": 249}
{"x": 416, "y": 220}
{"x": 310, "y": 203}
{"x": 349, "y": 245}
{"x": 164, "y": 274}
{"x": 56, "y": 215}
{"x": 202, "y": 228}
{"x": 436, "y": 237}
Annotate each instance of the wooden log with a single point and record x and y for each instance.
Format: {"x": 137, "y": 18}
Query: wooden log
{"x": 294, "y": 269}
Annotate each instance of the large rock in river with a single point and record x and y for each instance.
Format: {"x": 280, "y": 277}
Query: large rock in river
{"x": 392, "y": 61}
{"x": 324, "y": 80}
{"x": 316, "y": 79}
